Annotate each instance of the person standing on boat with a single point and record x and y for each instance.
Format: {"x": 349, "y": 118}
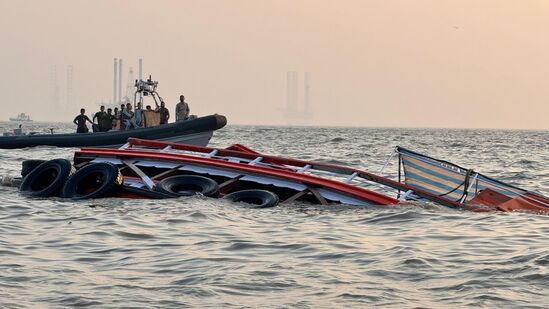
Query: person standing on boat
{"x": 127, "y": 118}
{"x": 121, "y": 124}
{"x": 99, "y": 116}
{"x": 116, "y": 119}
{"x": 164, "y": 113}
{"x": 182, "y": 109}
{"x": 80, "y": 121}
{"x": 106, "y": 121}
{"x": 138, "y": 116}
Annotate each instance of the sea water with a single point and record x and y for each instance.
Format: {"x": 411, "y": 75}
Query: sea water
{"x": 206, "y": 253}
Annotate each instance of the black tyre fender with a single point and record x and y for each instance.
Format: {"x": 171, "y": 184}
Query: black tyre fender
{"x": 257, "y": 198}
{"x": 93, "y": 181}
{"x": 28, "y": 166}
{"x": 188, "y": 185}
{"x": 47, "y": 179}
{"x": 147, "y": 193}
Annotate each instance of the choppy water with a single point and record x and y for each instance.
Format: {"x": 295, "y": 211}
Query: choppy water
{"x": 205, "y": 253}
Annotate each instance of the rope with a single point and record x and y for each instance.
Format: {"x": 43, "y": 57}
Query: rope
{"x": 465, "y": 184}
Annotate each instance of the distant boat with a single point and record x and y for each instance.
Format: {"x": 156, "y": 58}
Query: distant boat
{"x": 21, "y": 117}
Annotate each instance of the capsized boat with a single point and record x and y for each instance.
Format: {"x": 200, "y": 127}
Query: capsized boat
{"x": 158, "y": 169}
{"x": 145, "y": 164}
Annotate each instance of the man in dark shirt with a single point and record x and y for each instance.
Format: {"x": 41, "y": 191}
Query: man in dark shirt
{"x": 121, "y": 124}
{"x": 99, "y": 116}
{"x": 80, "y": 121}
{"x": 116, "y": 119}
{"x": 164, "y": 113}
{"x": 106, "y": 121}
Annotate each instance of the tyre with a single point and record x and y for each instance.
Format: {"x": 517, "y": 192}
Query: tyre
{"x": 28, "y": 166}
{"x": 255, "y": 197}
{"x": 147, "y": 193}
{"x": 93, "y": 181}
{"x": 47, "y": 179}
{"x": 188, "y": 185}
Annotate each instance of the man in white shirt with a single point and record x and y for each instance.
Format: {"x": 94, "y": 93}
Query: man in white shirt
{"x": 138, "y": 116}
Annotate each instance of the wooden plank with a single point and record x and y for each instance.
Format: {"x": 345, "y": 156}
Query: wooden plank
{"x": 295, "y": 196}
{"x": 319, "y": 197}
{"x": 79, "y": 165}
{"x": 299, "y": 194}
{"x": 148, "y": 182}
{"x": 230, "y": 182}
{"x": 167, "y": 172}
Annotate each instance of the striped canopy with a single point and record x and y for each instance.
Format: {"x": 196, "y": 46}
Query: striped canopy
{"x": 447, "y": 179}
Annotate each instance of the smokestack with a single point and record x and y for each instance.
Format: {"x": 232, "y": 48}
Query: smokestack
{"x": 69, "y": 86}
{"x": 130, "y": 83}
{"x": 55, "y": 87}
{"x": 120, "y": 80}
{"x": 288, "y": 89}
{"x": 306, "y": 92}
{"x": 114, "y": 92}
{"x": 291, "y": 91}
{"x": 140, "y": 68}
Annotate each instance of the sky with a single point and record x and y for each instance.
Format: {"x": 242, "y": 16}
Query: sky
{"x": 422, "y": 63}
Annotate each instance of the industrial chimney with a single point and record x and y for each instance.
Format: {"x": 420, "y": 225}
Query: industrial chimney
{"x": 140, "y": 68}
{"x": 120, "y": 81}
{"x": 114, "y": 92}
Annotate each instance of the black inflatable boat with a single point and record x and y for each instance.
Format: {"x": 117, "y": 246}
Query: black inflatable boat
{"x": 195, "y": 132}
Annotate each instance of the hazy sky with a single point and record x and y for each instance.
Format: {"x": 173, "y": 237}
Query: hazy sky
{"x": 431, "y": 63}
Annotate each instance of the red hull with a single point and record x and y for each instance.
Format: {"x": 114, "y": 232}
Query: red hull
{"x": 296, "y": 171}
{"x": 315, "y": 182}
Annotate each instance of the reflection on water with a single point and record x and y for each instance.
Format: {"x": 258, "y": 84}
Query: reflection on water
{"x": 200, "y": 252}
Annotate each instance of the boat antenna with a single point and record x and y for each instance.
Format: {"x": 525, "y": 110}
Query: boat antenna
{"x": 146, "y": 88}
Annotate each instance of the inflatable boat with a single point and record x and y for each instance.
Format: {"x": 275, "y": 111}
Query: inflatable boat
{"x": 195, "y": 132}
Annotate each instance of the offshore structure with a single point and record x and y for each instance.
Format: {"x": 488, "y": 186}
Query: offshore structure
{"x": 118, "y": 97}
{"x": 62, "y": 100}
{"x": 69, "y": 98}
{"x": 55, "y": 99}
{"x": 296, "y": 112}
